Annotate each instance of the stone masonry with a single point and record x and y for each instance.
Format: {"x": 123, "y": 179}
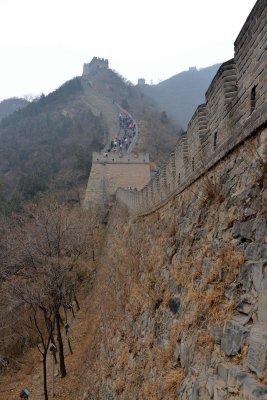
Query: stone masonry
{"x": 235, "y": 109}
{"x": 112, "y": 171}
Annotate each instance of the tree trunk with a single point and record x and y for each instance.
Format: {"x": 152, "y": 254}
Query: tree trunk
{"x": 44, "y": 376}
{"x": 54, "y": 352}
{"x": 60, "y": 348}
{"x": 76, "y": 301}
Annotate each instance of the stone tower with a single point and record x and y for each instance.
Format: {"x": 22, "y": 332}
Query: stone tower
{"x": 95, "y": 65}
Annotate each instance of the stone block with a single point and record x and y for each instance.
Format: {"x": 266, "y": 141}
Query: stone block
{"x": 264, "y": 198}
{"x": 235, "y": 380}
{"x": 165, "y": 274}
{"x": 222, "y": 371}
{"x": 186, "y": 355}
{"x": 236, "y": 229}
{"x": 256, "y": 358}
{"x": 260, "y": 227}
{"x": 257, "y": 274}
{"x": 249, "y": 212}
{"x": 256, "y": 251}
{"x": 253, "y": 390}
{"x": 262, "y": 306}
{"x": 217, "y": 333}
{"x": 246, "y": 229}
{"x": 242, "y": 319}
{"x": 195, "y": 391}
{"x": 220, "y": 392}
{"x": 244, "y": 307}
{"x": 210, "y": 387}
{"x": 245, "y": 275}
{"x": 233, "y": 337}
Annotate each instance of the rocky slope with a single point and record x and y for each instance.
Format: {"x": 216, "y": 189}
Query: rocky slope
{"x": 180, "y": 297}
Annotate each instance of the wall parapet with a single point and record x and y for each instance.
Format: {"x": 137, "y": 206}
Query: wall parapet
{"x": 117, "y": 158}
{"x": 235, "y": 108}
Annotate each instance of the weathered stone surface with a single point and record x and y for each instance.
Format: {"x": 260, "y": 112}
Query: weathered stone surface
{"x": 186, "y": 354}
{"x": 245, "y": 275}
{"x": 257, "y": 274}
{"x": 256, "y": 358}
{"x": 241, "y": 319}
{"x": 249, "y": 212}
{"x": 210, "y": 387}
{"x": 246, "y": 229}
{"x": 256, "y": 251}
{"x": 176, "y": 354}
{"x": 254, "y": 391}
{"x": 264, "y": 198}
{"x": 236, "y": 229}
{"x": 236, "y": 377}
{"x": 195, "y": 391}
{"x": 222, "y": 371}
{"x": 174, "y": 288}
{"x": 244, "y": 307}
{"x": 217, "y": 333}
{"x": 260, "y": 227}
{"x": 262, "y": 307}
{"x": 165, "y": 273}
{"x": 233, "y": 337}
{"x": 220, "y": 392}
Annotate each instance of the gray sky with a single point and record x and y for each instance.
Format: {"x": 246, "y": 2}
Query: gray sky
{"x": 44, "y": 43}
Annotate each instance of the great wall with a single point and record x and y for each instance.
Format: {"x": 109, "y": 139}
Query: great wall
{"x": 184, "y": 267}
{"x": 235, "y": 109}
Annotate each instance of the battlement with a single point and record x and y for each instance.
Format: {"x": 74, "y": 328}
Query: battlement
{"x": 95, "y": 65}
{"x": 116, "y": 158}
{"x": 235, "y": 108}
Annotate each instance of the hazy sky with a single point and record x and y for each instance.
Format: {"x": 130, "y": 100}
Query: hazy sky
{"x": 43, "y": 43}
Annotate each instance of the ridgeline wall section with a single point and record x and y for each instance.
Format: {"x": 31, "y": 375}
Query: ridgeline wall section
{"x": 235, "y": 109}
{"x": 111, "y": 171}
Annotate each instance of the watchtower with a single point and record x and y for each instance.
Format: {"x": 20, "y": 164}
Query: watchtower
{"x": 95, "y": 65}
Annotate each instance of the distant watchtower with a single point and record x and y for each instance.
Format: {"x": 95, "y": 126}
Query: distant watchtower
{"x": 95, "y": 65}
{"x": 141, "y": 81}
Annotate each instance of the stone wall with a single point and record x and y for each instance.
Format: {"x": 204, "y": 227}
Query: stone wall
{"x": 185, "y": 272}
{"x": 187, "y": 291}
{"x": 235, "y": 108}
{"x": 111, "y": 171}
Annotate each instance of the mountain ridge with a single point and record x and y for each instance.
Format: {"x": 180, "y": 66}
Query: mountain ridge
{"x": 180, "y": 94}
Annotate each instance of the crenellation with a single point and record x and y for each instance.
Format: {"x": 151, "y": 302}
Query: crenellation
{"x": 235, "y": 108}
{"x": 95, "y": 65}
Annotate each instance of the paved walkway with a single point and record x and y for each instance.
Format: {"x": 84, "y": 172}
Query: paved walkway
{"x": 124, "y": 140}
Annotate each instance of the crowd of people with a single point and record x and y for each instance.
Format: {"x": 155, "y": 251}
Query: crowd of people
{"x": 120, "y": 143}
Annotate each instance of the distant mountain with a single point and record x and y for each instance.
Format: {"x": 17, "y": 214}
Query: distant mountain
{"x": 11, "y": 105}
{"x": 179, "y": 95}
{"x": 47, "y": 145}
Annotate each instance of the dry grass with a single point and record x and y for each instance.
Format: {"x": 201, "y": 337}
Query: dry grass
{"x": 119, "y": 385}
{"x": 210, "y": 192}
{"x": 172, "y": 381}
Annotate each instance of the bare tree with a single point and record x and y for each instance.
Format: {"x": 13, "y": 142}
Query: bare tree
{"x": 52, "y": 239}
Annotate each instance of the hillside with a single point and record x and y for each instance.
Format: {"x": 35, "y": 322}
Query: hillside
{"x": 8, "y": 106}
{"x": 48, "y": 144}
{"x": 182, "y": 93}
